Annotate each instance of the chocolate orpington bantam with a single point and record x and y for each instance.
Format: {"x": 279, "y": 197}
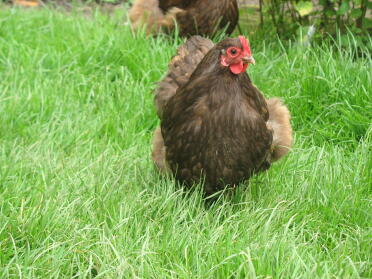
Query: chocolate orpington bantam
{"x": 202, "y": 17}
{"x": 216, "y": 126}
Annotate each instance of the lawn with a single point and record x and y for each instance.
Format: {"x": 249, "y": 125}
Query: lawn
{"x": 79, "y": 197}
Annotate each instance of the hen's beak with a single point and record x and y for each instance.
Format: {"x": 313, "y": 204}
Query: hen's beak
{"x": 248, "y": 60}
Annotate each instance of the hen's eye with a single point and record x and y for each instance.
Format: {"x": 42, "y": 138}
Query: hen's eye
{"x": 233, "y": 51}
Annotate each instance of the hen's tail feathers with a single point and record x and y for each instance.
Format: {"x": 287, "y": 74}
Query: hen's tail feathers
{"x": 180, "y": 69}
{"x": 146, "y": 13}
{"x": 279, "y": 122}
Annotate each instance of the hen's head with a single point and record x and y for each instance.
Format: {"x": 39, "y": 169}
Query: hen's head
{"x": 236, "y": 54}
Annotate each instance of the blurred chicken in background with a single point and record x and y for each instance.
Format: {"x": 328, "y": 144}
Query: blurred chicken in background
{"x": 202, "y": 17}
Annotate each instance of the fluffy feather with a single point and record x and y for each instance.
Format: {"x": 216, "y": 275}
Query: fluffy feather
{"x": 279, "y": 122}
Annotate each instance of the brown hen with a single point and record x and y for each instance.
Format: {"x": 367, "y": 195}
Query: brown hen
{"x": 216, "y": 126}
{"x": 203, "y": 17}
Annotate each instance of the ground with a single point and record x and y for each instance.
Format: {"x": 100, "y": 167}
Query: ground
{"x": 79, "y": 197}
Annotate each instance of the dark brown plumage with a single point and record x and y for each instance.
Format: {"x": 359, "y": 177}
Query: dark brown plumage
{"x": 215, "y": 124}
{"x": 203, "y": 17}
{"x": 165, "y": 5}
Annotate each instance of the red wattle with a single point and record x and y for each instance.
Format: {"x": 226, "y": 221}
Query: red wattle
{"x": 238, "y": 68}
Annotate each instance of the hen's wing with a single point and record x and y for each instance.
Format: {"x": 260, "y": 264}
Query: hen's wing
{"x": 180, "y": 68}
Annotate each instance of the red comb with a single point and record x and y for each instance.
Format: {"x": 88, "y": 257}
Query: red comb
{"x": 245, "y": 44}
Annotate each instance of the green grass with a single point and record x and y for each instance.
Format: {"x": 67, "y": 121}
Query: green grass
{"x": 79, "y": 197}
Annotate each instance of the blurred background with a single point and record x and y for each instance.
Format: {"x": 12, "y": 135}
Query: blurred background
{"x": 289, "y": 19}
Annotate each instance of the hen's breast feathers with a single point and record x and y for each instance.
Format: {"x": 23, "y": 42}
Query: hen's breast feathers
{"x": 214, "y": 127}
